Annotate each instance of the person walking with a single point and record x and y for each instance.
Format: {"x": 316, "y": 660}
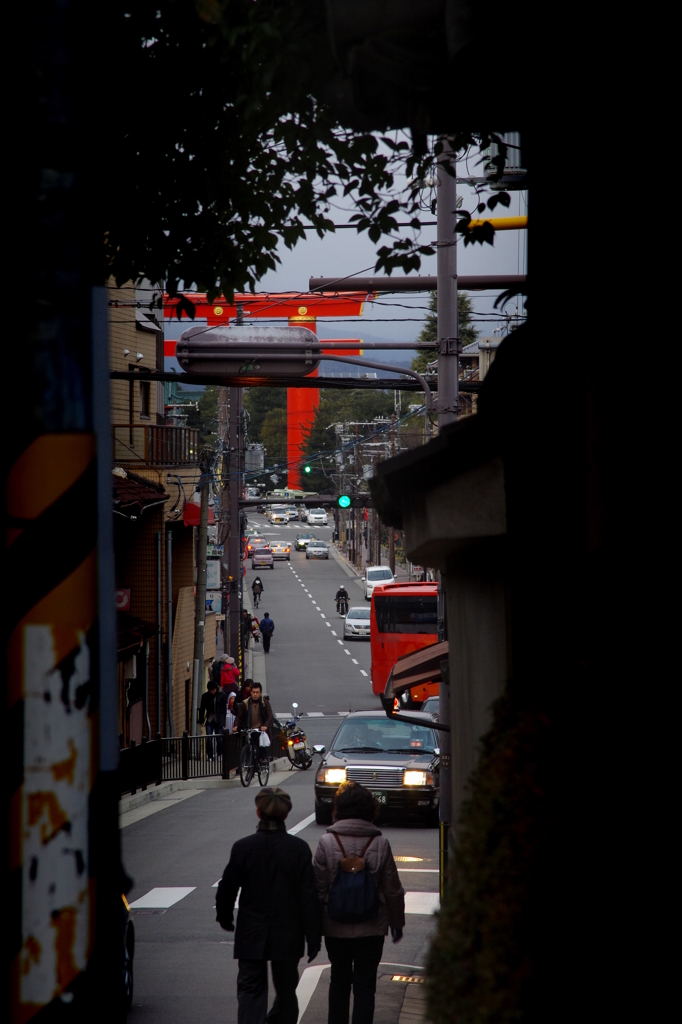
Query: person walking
{"x": 267, "y": 628}
{"x": 229, "y": 676}
{"x": 257, "y": 589}
{"x": 279, "y": 912}
{"x": 246, "y": 629}
{"x": 354, "y": 933}
{"x": 207, "y": 715}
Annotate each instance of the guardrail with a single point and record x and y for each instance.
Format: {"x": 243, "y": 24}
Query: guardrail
{"x": 170, "y": 758}
{"x": 153, "y": 445}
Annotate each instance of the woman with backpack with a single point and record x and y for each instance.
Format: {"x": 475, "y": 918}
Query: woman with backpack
{"x": 361, "y": 896}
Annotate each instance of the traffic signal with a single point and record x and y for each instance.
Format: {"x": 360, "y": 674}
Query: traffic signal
{"x": 307, "y": 469}
{"x": 355, "y": 501}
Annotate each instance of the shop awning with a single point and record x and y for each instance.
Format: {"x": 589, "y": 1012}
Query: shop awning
{"x": 133, "y": 494}
{"x": 131, "y": 634}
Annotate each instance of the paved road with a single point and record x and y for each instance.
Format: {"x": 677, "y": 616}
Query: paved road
{"x": 309, "y": 660}
{"x": 184, "y": 962}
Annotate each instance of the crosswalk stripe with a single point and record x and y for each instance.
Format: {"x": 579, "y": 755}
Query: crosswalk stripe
{"x": 315, "y": 714}
{"x": 363, "y": 672}
{"x": 422, "y": 902}
{"x": 162, "y": 897}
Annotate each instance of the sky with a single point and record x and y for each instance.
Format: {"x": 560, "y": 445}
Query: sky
{"x": 397, "y": 317}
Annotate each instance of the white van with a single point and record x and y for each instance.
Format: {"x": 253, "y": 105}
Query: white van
{"x": 278, "y": 514}
{"x": 376, "y": 575}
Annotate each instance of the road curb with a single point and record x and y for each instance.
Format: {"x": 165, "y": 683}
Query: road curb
{"x": 344, "y": 563}
{"x": 135, "y": 800}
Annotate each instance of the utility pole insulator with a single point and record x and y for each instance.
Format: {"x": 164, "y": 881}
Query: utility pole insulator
{"x": 449, "y": 346}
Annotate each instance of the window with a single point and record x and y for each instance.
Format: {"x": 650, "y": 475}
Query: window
{"x": 145, "y": 399}
{"x": 406, "y": 614}
{"x": 384, "y": 734}
{"x": 379, "y": 574}
{"x": 358, "y": 613}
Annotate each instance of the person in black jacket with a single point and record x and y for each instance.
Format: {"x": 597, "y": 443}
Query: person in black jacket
{"x": 279, "y": 911}
{"x": 212, "y": 714}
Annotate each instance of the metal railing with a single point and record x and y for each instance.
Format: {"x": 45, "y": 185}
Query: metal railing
{"x": 166, "y": 759}
{"x": 154, "y": 445}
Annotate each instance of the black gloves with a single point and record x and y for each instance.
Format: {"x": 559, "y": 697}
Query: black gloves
{"x": 227, "y": 926}
{"x": 396, "y": 934}
{"x": 313, "y": 950}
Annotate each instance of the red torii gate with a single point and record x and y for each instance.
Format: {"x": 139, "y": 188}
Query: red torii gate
{"x": 297, "y": 308}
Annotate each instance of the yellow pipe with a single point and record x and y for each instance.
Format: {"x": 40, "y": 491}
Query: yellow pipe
{"x": 501, "y": 223}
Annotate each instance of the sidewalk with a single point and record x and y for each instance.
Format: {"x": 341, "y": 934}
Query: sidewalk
{"x": 254, "y": 658}
{"x": 400, "y": 996}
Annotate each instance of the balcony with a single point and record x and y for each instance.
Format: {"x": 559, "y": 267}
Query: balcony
{"x": 155, "y": 446}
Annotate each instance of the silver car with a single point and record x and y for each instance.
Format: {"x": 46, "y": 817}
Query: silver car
{"x": 262, "y": 556}
{"x": 317, "y": 549}
{"x": 357, "y": 624}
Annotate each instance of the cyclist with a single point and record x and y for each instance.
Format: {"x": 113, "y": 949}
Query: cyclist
{"x": 257, "y": 589}
{"x": 255, "y": 712}
{"x": 341, "y": 595}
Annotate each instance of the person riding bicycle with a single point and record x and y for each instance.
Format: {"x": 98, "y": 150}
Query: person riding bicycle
{"x": 254, "y": 713}
{"x": 341, "y": 595}
{"x": 257, "y": 589}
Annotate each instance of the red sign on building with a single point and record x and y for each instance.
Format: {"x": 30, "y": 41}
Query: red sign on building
{"x": 123, "y": 599}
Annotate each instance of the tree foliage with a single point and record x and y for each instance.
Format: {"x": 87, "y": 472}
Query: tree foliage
{"x": 258, "y": 402}
{"x": 274, "y": 436}
{"x": 224, "y": 145}
{"x": 205, "y": 417}
{"x": 429, "y": 332}
{"x": 335, "y": 407}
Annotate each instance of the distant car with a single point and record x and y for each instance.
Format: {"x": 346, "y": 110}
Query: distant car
{"x": 280, "y": 549}
{"x": 303, "y": 540}
{"x": 317, "y": 549}
{"x": 254, "y": 542}
{"x": 376, "y": 574}
{"x": 278, "y": 514}
{"x": 317, "y": 517}
{"x": 304, "y": 514}
{"x": 357, "y": 623}
{"x": 261, "y": 508}
{"x": 431, "y": 705}
{"x": 397, "y": 761}
{"x": 250, "y": 531}
{"x": 292, "y": 512}
{"x": 263, "y": 556}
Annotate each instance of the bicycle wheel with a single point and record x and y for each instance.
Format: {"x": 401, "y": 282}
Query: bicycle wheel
{"x": 263, "y": 770}
{"x": 246, "y": 764}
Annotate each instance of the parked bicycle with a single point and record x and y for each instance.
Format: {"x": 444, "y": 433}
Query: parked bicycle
{"x": 296, "y": 743}
{"x": 254, "y": 759}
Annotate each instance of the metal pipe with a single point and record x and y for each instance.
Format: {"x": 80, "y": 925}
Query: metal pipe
{"x": 146, "y": 688}
{"x": 169, "y": 632}
{"x": 449, "y": 344}
{"x": 200, "y": 601}
{"x": 298, "y": 346}
{"x": 159, "y": 631}
{"x": 470, "y": 283}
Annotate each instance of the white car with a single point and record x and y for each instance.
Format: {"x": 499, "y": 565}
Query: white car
{"x": 376, "y": 575}
{"x": 278, "y": 514}
{"x": 317, "y": 517}
{"x": 357, "y": 623}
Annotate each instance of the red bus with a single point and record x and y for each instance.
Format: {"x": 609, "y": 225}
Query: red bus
{"x": 404, "y": 619}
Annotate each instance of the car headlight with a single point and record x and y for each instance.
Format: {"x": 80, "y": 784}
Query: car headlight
{"x": 413, "y": 778}
{"x": 332, "y": 776}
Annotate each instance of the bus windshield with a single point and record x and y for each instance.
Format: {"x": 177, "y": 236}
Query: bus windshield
{"x": 406, "y": 614}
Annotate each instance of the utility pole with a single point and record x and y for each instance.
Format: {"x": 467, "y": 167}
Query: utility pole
{"x": 200, "y": 600}
{"x": 234, "y": 539}
{"x": 449, "y": 345}
{"x": 391, "y": 532}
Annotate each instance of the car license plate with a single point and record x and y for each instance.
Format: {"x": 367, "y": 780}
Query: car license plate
{"x": 381, "y": 797}
{"x": 299, "y": 746}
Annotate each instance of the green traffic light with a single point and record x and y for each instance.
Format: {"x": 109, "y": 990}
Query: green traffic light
{"x": 308, "y": 469}
{"x": 344, "y": 501}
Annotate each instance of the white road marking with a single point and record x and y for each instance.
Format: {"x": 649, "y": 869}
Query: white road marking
{"x": 307, "y": 986}
{"x": 346, "y": 651}
{"x": 340, "y": 642}
{"x": 363, "y": 671}
{"x": 422, "y": 902}
{"x": 355, "y": 661}
{"x": 343, "y": 713}
{"x": 327, "y": 623}
{"x": 299, "y": 828}
{"x": 334, "y": 632}
{"x": 420, "y": 871}
{"x": 315, "y": 714}
{"x": 162, "y": 898}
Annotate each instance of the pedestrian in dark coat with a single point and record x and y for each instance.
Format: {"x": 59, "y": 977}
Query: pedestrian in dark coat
{"x": 279, "y": 912}
{"x": 267, "y": 628}
{"x": 355, "y": 949}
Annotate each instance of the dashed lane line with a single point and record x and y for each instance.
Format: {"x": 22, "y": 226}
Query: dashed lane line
{"x": 162, "y": 898}
{"x": 340, "y": 642}
{"x": 355, "y": 661}
{"x": 362, "y": 671}
{"x": 346, "y": 651}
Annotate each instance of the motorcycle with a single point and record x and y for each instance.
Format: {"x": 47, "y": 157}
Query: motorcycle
{"x": 342, "y": 606}
{"x": 296, "y": 743}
